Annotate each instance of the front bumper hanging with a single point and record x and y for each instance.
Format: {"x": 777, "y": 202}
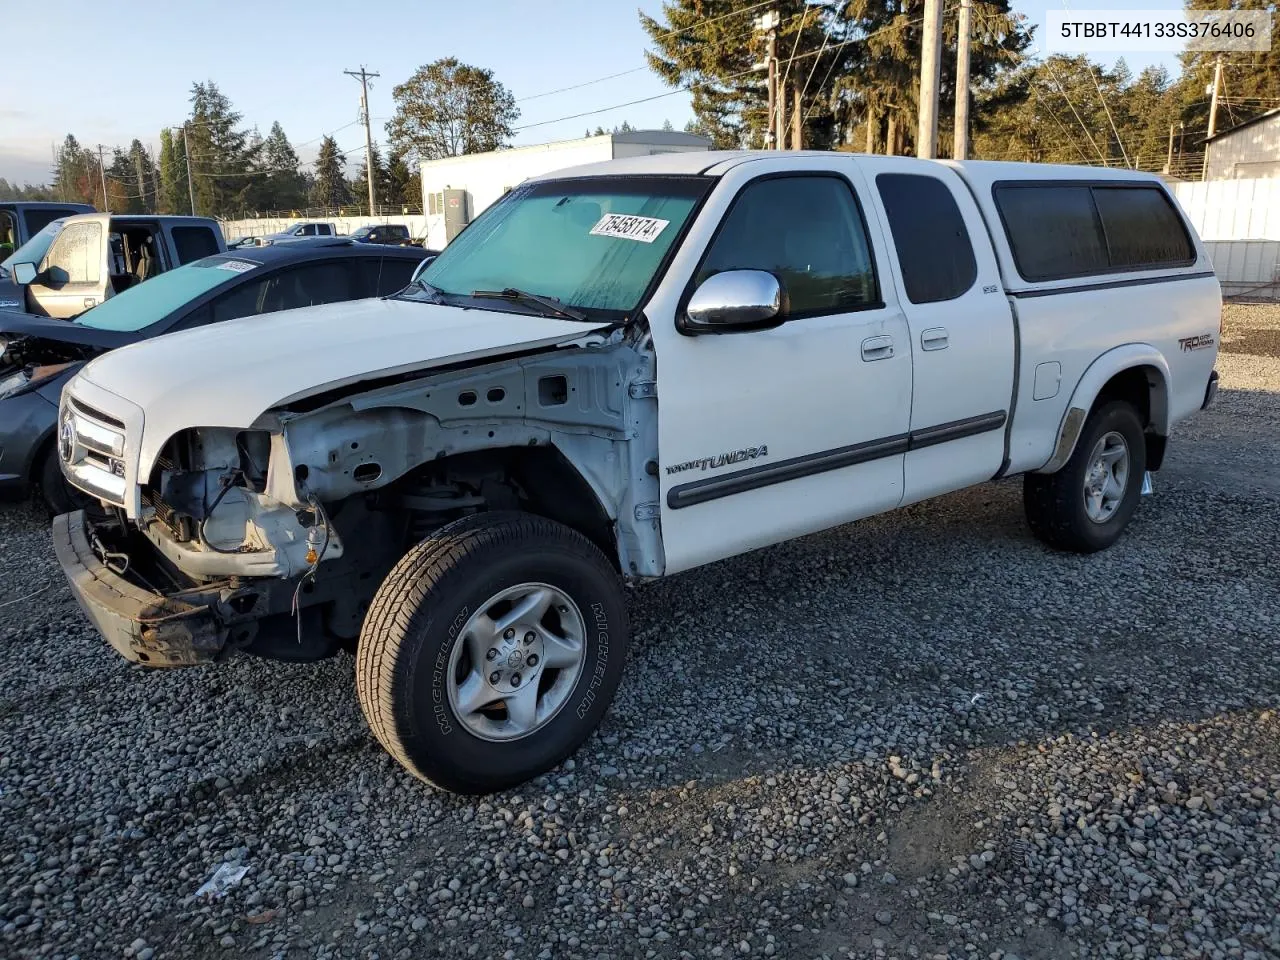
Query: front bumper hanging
{"x": 141, "y": 625}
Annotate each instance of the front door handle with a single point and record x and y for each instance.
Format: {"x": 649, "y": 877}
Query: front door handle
{"x": 935, "y": 338}
{"x": 877, "y": 348}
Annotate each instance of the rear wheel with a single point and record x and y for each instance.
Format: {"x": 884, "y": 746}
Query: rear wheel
{"x": 491, "y": 651}
{"x": 1086, "y": 505}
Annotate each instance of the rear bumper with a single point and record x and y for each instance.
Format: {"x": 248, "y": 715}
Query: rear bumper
{"x": 1210, "y": 390}
{"x": 142, "y": 626}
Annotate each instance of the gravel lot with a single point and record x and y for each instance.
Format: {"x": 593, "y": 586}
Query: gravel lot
{"x": 920, "y": 736}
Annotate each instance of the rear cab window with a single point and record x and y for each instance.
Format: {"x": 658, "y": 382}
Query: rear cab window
{"x": 193, "y": 243}
{"x": 1062, "y": 231}
{"x": 935, "y": 253}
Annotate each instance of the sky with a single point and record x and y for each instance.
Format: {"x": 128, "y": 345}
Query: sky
{"x": 123, "y": 76}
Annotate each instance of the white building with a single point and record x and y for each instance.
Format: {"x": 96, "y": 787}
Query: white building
{"x": 457, "y": 189}
{"x": 1250, "y": 151}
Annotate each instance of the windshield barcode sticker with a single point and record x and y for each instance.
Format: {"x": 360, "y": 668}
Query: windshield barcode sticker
{"x": 644, "y": 229}
{"x": 238, "y": 266}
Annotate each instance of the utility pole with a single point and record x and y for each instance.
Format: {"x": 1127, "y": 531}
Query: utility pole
{"x": 1213, "y": 113}
{"x": 797, "y": 119}
{"x": 191, "y": 184}
{"x": 960, "y": 147}
{"x": 1213, "y": 101}
{"x": 102, "y": 172}
{"x": 770, "y": 21}
{"x": 930, "y": 80}
{"x": 1168, "y": 163}
{"x": 363, "y": 76}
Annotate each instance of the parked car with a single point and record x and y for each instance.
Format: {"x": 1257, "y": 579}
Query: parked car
{"x": 20, "y": 220}
{"x": 624, "y": 371}
{"x": 306, "y": 228}
{"x": 244, "y": 242}
{"x": 392, "y": 233}
{"x": 95, "y": 256}
{"x": 39, "y": 355}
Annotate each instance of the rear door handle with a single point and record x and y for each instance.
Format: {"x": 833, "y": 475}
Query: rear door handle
{"x": 935, "y": 338}
{"x": 877, "y": 348}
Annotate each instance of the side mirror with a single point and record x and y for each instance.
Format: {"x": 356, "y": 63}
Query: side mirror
{"x": 24, "y": 273}
{"x": 735, "y": 300}
{"x": 421, "y": 268}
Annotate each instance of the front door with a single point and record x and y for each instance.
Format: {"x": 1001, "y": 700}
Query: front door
{"x": 73, "y": 275}
{"x": 772, "y": 434}
{"x": 962, "y": 336}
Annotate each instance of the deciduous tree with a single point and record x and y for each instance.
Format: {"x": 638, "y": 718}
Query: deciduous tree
{"x": 449, "y": 108}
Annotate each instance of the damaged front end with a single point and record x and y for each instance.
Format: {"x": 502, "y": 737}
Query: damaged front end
{"x": 214, "y": 564}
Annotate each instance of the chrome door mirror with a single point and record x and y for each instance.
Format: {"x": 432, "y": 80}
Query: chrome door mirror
{"x": 735, "y": 300}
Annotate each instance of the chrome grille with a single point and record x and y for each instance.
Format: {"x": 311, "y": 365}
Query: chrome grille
{"x": 91, "y": 449}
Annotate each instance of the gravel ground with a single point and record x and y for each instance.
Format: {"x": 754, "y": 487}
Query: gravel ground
{"x": 920, "y": 736}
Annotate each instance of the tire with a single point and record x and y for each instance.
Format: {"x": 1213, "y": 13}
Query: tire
{"x": 59, "y": 496}
{"x": 1056, "y": 504}
{"x": 420, "y": 647}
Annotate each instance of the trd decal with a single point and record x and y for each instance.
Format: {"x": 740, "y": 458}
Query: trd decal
{"x": 1196, "y": 343}
{"x": 722, "y": 460}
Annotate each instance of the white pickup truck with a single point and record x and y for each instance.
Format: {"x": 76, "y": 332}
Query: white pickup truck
{"x": 622, "y": 371}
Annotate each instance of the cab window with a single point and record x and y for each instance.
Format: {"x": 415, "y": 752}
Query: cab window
{"x": 809, "y": 232}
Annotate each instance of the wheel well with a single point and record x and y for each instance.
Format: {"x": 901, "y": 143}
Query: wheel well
{"x": 1144, "y": 388}
{"x": 42, "y": 449}
{"x": 538, "y": 480}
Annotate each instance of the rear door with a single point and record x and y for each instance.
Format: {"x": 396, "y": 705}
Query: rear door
{"x": 961, "y": 324}
{"x": 73, "y": 275}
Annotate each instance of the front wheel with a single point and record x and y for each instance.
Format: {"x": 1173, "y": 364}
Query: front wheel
{"x": 1086, "y": 505}
{"x": 491, "y": 651}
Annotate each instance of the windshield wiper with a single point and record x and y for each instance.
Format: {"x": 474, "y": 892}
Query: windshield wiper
{"x": 550, "y": 304}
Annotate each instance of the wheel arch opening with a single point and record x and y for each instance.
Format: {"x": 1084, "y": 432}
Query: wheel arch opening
{"x": 1145, "y": 388}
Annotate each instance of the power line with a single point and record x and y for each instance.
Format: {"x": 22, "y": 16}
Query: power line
{"x": 1053, "y": 74}
{"x": 689, "y": 87}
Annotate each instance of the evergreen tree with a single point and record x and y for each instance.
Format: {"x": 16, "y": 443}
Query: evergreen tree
{"x": 381, "y": 182}
{"x": 286, "y": 188}
{"x": 121, "y": 184}
{"x": 222, "y": 156}
{"x": 174, "y": 197}
{"x": 854, "y": 63}
{"x": 404, "y": 187}
{"x": 330, "y": 188}
{"x": 143, "y": 183}
{"x": 76, "y": 174}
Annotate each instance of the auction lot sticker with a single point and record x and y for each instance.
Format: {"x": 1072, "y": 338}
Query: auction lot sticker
{"x": 627, "y": 227}
{"x": 1132, "y": 31}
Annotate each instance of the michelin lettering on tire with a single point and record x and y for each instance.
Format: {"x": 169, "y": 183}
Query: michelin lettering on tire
{"x": 438, "y": 707}
{"x": 602, "y": 659}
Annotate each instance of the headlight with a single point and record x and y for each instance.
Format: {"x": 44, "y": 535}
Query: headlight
{"x": 24, "y": 381}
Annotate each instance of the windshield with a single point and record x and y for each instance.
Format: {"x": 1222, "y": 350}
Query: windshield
{"x": 592, "y": 243}
{"x": 152, "y": 301}
{"x": 33, "y": 250}
{"x": 363, "y": 232}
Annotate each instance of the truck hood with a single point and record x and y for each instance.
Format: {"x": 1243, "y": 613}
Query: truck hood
{"x": 228, "y": 374}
